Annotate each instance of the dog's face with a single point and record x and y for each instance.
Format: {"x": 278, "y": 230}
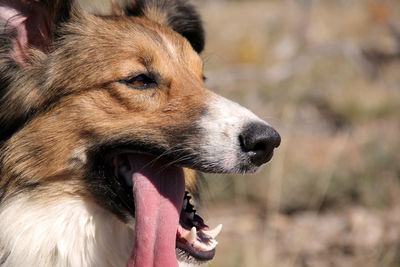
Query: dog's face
{"x": 121, "y": 105}
{"x": 148, "y": 90}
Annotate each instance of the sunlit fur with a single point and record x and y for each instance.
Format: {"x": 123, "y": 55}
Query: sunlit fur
{"x": 67, "y": 112}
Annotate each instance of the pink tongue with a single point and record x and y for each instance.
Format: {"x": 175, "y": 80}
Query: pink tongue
{"x": 158, "y": 192}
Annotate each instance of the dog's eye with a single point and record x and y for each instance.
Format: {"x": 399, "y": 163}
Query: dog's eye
{"x": 141, "y": 82}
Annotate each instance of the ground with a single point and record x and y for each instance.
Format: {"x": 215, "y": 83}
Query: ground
{"x": 325, "y": 74}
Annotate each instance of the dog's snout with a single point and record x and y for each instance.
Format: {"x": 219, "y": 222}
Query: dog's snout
{"x": 258, "y": 140}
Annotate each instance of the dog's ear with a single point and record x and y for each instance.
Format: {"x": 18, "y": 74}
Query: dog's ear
{"x": 26, "y": 28}
{"x": 179, "y": 15}
{"x": 30, "y": 24}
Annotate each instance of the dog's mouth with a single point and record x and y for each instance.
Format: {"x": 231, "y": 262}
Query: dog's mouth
{"x": 167, "y": 227}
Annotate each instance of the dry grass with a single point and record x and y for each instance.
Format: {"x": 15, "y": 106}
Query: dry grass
{"x": 329, "y": 197}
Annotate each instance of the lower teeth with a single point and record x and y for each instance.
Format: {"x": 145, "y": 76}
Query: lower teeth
{"x": 199, "y": 236}
{"x": 213, "y": 233}
{"x": 206, "y": 241}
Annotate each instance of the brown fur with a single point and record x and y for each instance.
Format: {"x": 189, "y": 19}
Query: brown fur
{"x": 70, "y": 103}
{"x": 80, "y": 101}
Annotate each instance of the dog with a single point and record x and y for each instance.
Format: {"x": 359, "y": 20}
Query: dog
{"x": 104, "y": 118}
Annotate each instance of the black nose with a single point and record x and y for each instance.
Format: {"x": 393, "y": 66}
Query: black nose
{"x": 258, "y": 140}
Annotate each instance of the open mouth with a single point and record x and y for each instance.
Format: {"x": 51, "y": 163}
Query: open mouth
{"x": 167, "y": 227}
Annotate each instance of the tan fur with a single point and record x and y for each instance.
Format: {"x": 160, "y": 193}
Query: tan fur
{"x": 71, "y": 110}
{"x": 82, "y": 103}
{"x": 104, "y": 107}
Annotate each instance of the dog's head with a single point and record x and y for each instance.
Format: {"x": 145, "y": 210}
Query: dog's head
{"x": 119, "y": 103}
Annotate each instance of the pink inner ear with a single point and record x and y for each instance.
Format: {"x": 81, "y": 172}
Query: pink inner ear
{"x": 31, "y": 21}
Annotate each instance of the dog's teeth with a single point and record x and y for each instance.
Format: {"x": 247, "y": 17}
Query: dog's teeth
{"x": 205, "y": 247}
{"x": 192, "y": 235}
{"x": 213, "y": 233}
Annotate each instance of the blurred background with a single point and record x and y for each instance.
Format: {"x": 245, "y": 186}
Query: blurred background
{"x": 326, "y": 75}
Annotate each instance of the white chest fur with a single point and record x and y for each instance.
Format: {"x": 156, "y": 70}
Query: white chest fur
{"x": 68, "y": 232}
